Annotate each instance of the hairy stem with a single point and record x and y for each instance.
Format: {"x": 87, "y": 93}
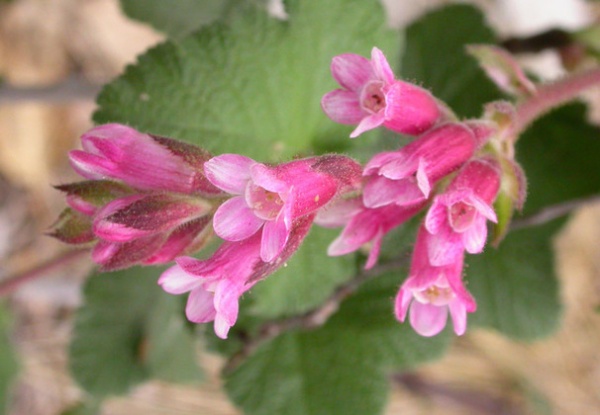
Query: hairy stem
{"x": 550, "y": 39}
{"x": 554, "y": 94}
{"x": 552, "y": 212}
{"x": 11, "y": 283}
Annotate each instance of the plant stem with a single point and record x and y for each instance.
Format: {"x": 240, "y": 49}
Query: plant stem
{"x": 552, "y": 212}
{"x": 554, "y": 94}
{"x": 10, "y": 284}
{"x": 314, "y": 318}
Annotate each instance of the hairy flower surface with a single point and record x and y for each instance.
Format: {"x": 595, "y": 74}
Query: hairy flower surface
{"x": 269, "y": 198}
{"x": 370, "y": 97}
{"x": 457, "y": 218}
{"x": 431, "y": 292}
{"x": 146, "y": 201}
{"x": 406, "y": 176}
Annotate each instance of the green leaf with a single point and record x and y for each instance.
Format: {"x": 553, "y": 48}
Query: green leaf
{"x": 8, "y": 362}
{"x": 124, "y": 334}
{"x": 171, "y": 353}
{"x": 306, "y": 281}
{"x": 252, "y": 86}
{"x": 341, "y": 368}
{"x": 176, "y": 18}
{"x": 435, "y": 57}
{"x": 515, "y": 285}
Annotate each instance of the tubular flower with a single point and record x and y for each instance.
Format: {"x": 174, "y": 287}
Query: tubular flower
{"x": 407, "y": 176}
{"x": 155, "y": 205}
{"x": 142, "y": 161}
{"x": 362, "y": 225}
{"x": 372, "y": 97}
{"x": 272, "y": 198}
{"x": 216, "y": 284}
{"x": 431, "y": 292}
{"x": 457, "y": 218}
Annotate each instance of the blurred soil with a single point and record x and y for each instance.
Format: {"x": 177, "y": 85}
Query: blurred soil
{"x": 75, "y": 45}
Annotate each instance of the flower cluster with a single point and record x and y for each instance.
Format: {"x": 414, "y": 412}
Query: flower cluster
{"x": 444, "y": 171}
{"x": 150, "y": 200}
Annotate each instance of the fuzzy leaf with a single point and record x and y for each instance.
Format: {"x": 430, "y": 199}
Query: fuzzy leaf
{"x": 175, "y": 18}
{"x": 252, "y": 86}
{"x": 126, "y": 332}
{"x": 515, "y": 285}
{"x": 341, "y": 368}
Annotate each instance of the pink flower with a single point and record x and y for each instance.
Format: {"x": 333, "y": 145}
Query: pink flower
{"x": 457, "y": 218}
{"x": 216, "y": 284}
{"x": 431, "y": 292}
{"x": 407, "y": 176}
{"x": 156, "y": 205}
{"x": 142, "y": 161}
{"x": 372, "y": 97}
{"x": 271, "y": 198}
{"x": 362, "y": 225}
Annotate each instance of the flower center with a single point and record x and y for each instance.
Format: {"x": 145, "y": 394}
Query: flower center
{"x": 372, "y": 98}
{"x": 435, "y": 295}
{"x": 461, "y": 216}
{"x": 265, "y": 204}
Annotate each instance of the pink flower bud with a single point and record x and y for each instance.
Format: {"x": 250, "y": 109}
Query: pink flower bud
{"x": 132, "y": 217}
{"x": 88, "y": 196}
{"x": 406, "y": 176}
{"x": 72, "y": 227}
{"x": 431, "y": 292}
{"x": 372, "y": 97}
{"x": 142, "y": 161}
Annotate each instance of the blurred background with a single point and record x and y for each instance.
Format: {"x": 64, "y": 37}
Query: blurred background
{"x": 54, "y": 57}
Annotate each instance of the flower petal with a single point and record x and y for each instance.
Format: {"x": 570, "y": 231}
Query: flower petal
{"x": 360, "y": 230}
{"x": 403, "y": 299}
{"x": 380, "y": 191}
{"x": 436, "y": 217}
{"x": 176, "y": 281}
{"x": 381, "y": 67}
{"x": 351, "y": 71}
{"x": 235, "y": 221}
{"x": 422, "y": 179}
{"x": 229, "y": 172}
{"x": 428, "y": 320}
{"x": 227, "y": 294}
{"x": 368, "y": 123}
{"x": 458, "y": 312}
{"x": 342, "y": 107}
{"x": 200, "y": 307}
{"x": 445, "y": 247}
{"x": 474, "y": 237}
{"x": 274, "y": 237}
